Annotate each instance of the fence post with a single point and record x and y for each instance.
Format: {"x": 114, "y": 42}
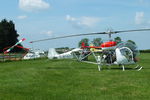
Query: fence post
{"x": 3, "y": 57}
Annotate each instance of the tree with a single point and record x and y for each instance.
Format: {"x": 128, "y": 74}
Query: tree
{"x": 117, "y": 39}
{"x": 85, "y": 40}
{"x": 8, "y": 35}
{"x": 131, "y": 41}
{"x": 97, "y": 41}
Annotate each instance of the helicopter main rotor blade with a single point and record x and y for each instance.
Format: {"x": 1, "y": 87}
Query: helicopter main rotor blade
{"x": 75, "y": 35}
{"x": 131, "y": 30}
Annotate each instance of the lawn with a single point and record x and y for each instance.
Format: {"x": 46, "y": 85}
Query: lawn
{"x": 44, "y": 79}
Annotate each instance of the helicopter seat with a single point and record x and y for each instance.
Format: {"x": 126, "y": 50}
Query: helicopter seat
{"x": 124, "y": 56}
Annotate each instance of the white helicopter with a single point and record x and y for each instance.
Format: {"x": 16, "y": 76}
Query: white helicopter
{"x": 111, "y": 53}
{"x": 108, "y": 53}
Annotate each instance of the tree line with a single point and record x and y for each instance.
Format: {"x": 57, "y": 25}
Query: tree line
{"x": 99, "y": 41}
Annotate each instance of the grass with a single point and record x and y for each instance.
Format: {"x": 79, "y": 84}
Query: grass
{"x": 44, "y": 79}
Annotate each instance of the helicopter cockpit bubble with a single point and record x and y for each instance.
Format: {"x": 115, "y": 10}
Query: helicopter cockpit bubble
{"x": 126, "y": 48}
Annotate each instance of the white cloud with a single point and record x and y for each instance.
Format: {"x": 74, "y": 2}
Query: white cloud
{"x": 84, "y": 21}
{"x": 144, "y": 3}
{"x": 48, "y": 33}
{"x": 141, "y": 1}
{"x": 89, "y": 21}
{"x": 33, "y": 5}
{"x": 69, "y": 18}
{"x": 22, "y": 17}
{"x": 139, "y": 18}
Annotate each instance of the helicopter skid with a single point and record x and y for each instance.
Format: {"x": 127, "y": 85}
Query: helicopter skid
{"x": 138, "y": 67}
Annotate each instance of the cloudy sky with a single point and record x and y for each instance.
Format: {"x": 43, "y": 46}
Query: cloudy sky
{"x": 39, "y": 19}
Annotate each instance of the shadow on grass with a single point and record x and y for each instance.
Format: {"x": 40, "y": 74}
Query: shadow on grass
{"x": 95, "y": 68}
{"x": 127, "y": 68}
{"x": 81, "y": 68}
{"x": 67, "y": 68}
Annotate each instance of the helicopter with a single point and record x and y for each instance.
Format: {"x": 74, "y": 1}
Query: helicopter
{"x": 108, "y": 53}
{"x": 111, "y": 53}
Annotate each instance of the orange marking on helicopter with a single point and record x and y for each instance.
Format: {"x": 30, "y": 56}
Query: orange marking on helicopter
{"x": 103, "y": 45}
{"x": 108, "y": 44}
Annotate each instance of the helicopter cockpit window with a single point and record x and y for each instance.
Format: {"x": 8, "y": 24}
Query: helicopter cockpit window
{"x": 131, "y": 46}
{"x": 125, "y": 51}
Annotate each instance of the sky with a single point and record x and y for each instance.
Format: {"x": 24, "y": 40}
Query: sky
{"x": 40, "y": 19}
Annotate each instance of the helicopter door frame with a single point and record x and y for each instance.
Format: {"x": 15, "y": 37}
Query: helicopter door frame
{"x": 129, "y": 57}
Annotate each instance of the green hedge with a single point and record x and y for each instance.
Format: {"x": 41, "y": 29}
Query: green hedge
{"x": 145, "y": 51}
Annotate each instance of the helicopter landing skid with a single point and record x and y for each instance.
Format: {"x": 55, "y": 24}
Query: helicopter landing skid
{"x": 138, "y": 67}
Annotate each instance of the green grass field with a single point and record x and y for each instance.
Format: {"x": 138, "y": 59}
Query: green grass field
{"x": 44, "y": 79}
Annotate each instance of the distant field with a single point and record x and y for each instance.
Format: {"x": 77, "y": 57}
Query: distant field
{"x": 44, "y": 79}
